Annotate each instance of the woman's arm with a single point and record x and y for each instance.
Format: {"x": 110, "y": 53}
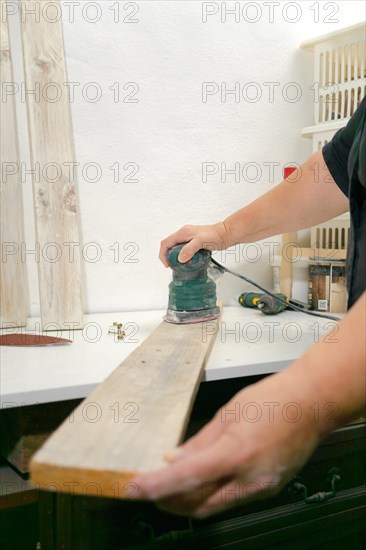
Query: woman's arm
{"x": 310, "y": 196}
{"x": 234, "y": 459}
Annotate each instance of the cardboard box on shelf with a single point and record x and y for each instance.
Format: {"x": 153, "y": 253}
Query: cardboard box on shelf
{"x": 327, "y": 286}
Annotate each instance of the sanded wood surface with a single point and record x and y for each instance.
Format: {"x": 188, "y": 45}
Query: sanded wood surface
{"x": 130, "y": 420}
{"x": 13, "y": 277}
{"x": 52, "y": 155}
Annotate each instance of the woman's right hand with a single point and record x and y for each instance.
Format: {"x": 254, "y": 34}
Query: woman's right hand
{"x": 211, "y": 237}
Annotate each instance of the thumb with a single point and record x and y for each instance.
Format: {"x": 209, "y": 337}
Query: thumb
{"x": 189, "y": 250}
{"x": 211, "y": 464}
{"x": 202, "y": 440}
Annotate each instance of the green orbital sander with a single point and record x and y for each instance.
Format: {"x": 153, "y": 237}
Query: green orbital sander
{"x": 192, "y": 293}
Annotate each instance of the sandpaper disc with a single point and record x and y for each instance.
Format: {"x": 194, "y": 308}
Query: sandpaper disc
{"x": 31, "y": 340}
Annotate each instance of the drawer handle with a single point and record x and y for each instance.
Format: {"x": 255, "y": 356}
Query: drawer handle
{"x": 321, "y": 496}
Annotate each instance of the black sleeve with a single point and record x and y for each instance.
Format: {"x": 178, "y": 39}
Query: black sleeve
{"x": 336, "y": 152}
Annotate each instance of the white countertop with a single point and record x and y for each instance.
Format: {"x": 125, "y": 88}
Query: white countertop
{"x": 248, "y": 343}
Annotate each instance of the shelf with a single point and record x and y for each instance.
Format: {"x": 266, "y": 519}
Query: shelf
{"x": 311, "y": 43}
{"x": 318, "y": 254}
{"x": 333, "y": 126}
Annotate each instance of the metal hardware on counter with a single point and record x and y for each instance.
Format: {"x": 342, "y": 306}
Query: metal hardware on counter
{"x": 118, "y": 330}
{"x": 333, "y": 477}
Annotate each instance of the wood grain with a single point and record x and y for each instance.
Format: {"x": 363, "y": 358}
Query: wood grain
{"x": 52, "y": 151}
{"x": 13, "y": 276}
{"x": 130, "y": 420}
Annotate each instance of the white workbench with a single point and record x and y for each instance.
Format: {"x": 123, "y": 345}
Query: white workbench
{"x": 248, "y": 343}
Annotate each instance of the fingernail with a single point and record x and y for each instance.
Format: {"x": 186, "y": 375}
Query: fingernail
{"x": 182, "y": 257}
{"x": 173, "y": 454}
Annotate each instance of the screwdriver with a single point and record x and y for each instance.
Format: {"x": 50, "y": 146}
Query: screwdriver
{"x": 266, "y": 303}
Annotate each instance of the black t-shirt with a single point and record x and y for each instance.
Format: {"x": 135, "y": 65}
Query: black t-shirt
{"x": 345, "y": 157}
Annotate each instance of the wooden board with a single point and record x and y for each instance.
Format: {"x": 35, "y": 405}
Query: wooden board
{"x": 13, "y": 277}
{"x": 286, "y": 264}
{"x": 52, "y": 151}
{"x": 130, "y": 420}
{"x": 338, "y": 296}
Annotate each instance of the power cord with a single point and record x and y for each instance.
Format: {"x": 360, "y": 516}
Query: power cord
{"x": 289, "y": 305}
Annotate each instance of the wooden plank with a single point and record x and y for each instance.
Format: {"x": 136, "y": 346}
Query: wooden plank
{"x": 338, "y": 297}
{"x": 52, "y": 154}
{"x": 286, "y": 264}
{"x": 13, "y": 276}
{"x": 130, "y": 420}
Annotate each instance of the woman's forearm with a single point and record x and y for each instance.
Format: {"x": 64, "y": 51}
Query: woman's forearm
{"x": 310, "y": 196}
{"x": 332, "y": 374}
{"x": 296, "y": 407}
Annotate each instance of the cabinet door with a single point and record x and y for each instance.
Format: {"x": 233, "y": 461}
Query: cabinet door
{"x": 90, "y": 523}
{"x": 19, "y": 527}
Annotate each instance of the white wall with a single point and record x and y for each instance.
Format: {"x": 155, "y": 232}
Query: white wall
{"x": 170, "y": 131}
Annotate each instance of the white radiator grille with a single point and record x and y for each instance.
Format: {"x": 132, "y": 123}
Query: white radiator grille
{"x": 331, "y": 235}
{"x": 340, "y": 78}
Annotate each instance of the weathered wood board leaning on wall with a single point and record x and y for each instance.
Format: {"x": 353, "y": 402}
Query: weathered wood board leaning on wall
{"x": 131, "y": 419}
{"x": 13, "y": 276}
{"x": 52, "y": 157}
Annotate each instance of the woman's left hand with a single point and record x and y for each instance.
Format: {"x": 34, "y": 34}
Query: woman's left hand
{"x": 253, "y": 446}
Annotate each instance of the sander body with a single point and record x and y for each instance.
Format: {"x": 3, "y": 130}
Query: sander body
{"x": 192, "y": 293}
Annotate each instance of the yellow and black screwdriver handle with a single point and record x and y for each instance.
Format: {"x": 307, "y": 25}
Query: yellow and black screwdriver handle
{"x": 266, "y": 303}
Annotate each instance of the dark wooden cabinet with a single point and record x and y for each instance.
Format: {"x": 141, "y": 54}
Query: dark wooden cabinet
{"x": 96, "y": 524}
{"x": 19, "y": 527}
{"x": 66, "y": 522}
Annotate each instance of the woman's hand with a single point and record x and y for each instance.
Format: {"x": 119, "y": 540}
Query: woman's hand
{"x": 212, "y": 237}
{"x": 251, "y": 449}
